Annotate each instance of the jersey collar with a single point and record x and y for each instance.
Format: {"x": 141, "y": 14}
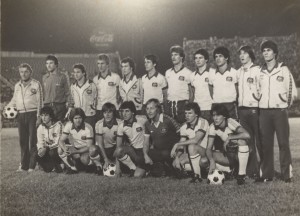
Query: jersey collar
{"x": 129, "y": 124}
{"x": 155, "y": 75}
{"x": 173, "y": 68}
{"x": 110, "y": 126}
{"x": 227, "y": 69}
{"x": 206, "y": 70}
{"x": 130, "y": 79}
{"x": 108, "y": 74}
{"x": 189, "y": 125}
{"x": 81, "y": 127}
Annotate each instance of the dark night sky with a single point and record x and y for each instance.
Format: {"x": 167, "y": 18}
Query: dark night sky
{"x": 65, "y": 26}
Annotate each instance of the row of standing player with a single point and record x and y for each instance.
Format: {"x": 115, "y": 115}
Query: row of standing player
{"x": 255, "y": 91}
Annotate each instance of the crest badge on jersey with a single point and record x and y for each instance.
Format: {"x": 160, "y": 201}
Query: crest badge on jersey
{"x": 229, "y": 79}
{"x": 111, "y": 84}
{"x": 139, "y": 129}
{"x": 206, "y": 79}
{"x": 164, "y": 130}
{"x": 54, "y": 134}
{"x": 250, "y": 80}
{"x": 181, "y": 78}
{"x": 83, "y": 137}
{"x": 33, "y": 91}
{"x": 154, "y": 84}
{"x": 134, "y": 86}
{"x": 280, "y": 79}
{"x": 89, "y": 91}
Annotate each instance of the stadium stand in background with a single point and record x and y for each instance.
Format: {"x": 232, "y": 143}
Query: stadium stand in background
{"x": 10, "y": 74}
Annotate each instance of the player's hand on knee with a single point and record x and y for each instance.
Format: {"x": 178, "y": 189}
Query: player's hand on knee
{"x": 173, "y": 151}
{"x": 42, "y": 151}
{"x": 148, "y": 160}
{"x": 212, "y": 166}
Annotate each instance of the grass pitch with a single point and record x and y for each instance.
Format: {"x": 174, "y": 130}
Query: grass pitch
{"x": 39, "y": 193}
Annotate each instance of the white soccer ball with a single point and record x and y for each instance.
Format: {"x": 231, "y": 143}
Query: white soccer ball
{"x": 216, "y": 178}
{"x": 10, "y": 112}
{"x": 110, "y": 170}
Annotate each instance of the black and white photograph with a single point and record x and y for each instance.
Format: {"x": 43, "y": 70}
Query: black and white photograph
{"x": 162, "y": 107}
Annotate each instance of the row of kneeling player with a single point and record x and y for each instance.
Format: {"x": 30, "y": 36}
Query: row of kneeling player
{"x": 154, "y": 145}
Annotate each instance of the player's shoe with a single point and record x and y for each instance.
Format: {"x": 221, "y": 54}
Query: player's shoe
{"x": 99, "y": 171}
{"x": 30, "y": 170}
{"x": 58, "y": 169}
{"x": 195, "y": 179}
{"x": 289, "y": 180}
{"x": 241, "y": 179}
{"x": 20, "y": 169}
{"x": 263, "y": 180}
{"x": 71, "y": 171}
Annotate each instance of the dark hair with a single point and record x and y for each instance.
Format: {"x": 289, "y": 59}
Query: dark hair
{"x": 104, "y": 57}
{"x": 49, "y": 111}
{"x": 80, "y": 67}
{"x": 130, "y": 61}
{"x": 248, "y": 50}
{"x": 220, "y": 109}
{"x": 52, "y": 58}
{"x": 223, "y": 51}
{"x": 156, "y": 102}
{"x": 202, "y": 52}
{"x": 27, "y": 66}
{"x": 128, "y": 105}
{"x": 152, "y": 58}
{"x": 269, "y": 44}
{"x": 109, "y": 107}
{"x": 75, "y": 112}
{"x": 178, "y": 49}
{"x": 193, "y": 106}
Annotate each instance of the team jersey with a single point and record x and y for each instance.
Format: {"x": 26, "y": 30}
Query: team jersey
{"x": 201, "y": 84}
{"x": 178, "y": 84}
{"x": 107, "y": 89}
{"x": 56, "y": 87}
{"x": 132, "y": 91}
{"x": 230, "y": 127}
{"x": 224, "y": 90}
{"x": 163, "y": 134}
{"x": 153, "y": 87}
{"x": 134, "y": 131}
{"x": 78, "y": 137}
{"x": 84, "y": 97}
{"x": 248, "y": 80}
{"x": 49, "y": 137}
{"x": 27, "y": 98}
{"x": 188, "y": 131}
{"x": 277, "y": 87}
{"x": 108, "y": 134}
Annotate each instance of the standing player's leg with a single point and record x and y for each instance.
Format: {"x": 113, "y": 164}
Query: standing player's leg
{"x": 31, "y": 124}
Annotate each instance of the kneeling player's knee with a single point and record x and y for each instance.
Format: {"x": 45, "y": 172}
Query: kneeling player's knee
{"x": 93, "y": 151}
{"x": 192, "y": 149}
{"x": 85, "y": 159}
{"x": 119, "y": 152}
{"x": 139, "y": 173}
{"x": 242, "y": 142}
{"x": 60, "y": 151}
{"x": 204, "y": 162}
{"x": 76, "y": 156}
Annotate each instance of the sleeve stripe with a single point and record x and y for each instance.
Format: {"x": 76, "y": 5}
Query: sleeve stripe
{"x": 66, "y": 133}
{"x": 99, "y": 134}
{"x": 212, "y": 136}
{"x": 203, "y": 131}
{"x": 119, "y": 135}
{"x": 89, "y": 138}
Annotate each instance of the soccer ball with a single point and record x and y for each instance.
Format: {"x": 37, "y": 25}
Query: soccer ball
{"x": 216, "y": 178}
{"x": 110, "y": 170}
{"x": 10, "y": 112}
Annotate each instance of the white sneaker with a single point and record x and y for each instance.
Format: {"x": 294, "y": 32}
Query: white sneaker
{"x": 20, "y": 169}
{"x": 30, "y": 170}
